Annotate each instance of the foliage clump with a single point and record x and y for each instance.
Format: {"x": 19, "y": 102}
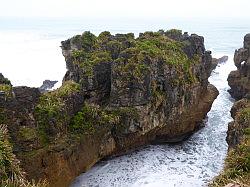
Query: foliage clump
{"x": 10, "y": 171}
{"x": 133, "y": 55}
{"x": 245, "y": 116}
{"x": 4, "y": 80}
{"x": 51, "y": 107}
{"x": 52, "y": 102}
{"x": 28, "y": 133}
{"x": 90, "y": 117}
{"x": 7, "y": 89}
{"x": 173, "y": 33}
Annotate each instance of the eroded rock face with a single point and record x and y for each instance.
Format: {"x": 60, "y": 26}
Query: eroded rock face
{"x": 239, "y": 80}
{"x": 119, "y": 93}
{"x": 236, "y": 128}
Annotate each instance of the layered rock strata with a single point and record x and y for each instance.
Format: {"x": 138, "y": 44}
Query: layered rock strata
{"x": 239, "y": 80}
{"x": 237, "y": 165}
{"x": 119, "y": 92}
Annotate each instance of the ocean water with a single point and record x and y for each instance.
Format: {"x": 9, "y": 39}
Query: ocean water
{"x": 30, "y": 48}
{"x": 30, "y": 53}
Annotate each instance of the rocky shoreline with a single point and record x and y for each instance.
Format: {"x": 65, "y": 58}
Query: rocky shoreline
{"x": 239, "y": 81}
{"x": 237, "y": 165}
{"x": 119, "y": 93}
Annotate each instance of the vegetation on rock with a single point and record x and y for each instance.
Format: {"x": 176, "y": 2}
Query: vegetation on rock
{"x": 7, "y": 89}
{"x": 51, "y": 106}
{"x": 90, "y": 117}
{"x": 132, "y": 54}
{"x": 10, "y": 171}
{"x": 237, "y": 164}
{"x": 119, "y": 92}
{"x": 4, "y": 80}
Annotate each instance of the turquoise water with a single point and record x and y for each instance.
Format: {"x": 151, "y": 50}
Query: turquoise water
{"x": 30, "y": 53}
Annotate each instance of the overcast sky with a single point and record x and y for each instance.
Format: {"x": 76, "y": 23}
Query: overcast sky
{"x": 124, "y": 8}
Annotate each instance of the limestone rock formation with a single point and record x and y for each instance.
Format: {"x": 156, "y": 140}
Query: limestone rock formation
{"x": 222, "y": 59}
{"x": 47, "y": 85}
{"x": 236, "y": 170}
{"x": 236, "y": 128}
{"x": 238, "y": 136}
{"x": 239, "y": 80}
{"x": 119, "y": 92}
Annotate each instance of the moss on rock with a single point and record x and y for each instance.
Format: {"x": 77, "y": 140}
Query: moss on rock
{"x": 28, "y": 133}
{"x": 7, "y": 89}
{"x": 10, "y": 171}
{"x": 132, "y": 52}
{"x": 50, "y": 109}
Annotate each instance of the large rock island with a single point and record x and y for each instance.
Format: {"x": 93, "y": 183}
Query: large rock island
{"x": 119, "y": 92}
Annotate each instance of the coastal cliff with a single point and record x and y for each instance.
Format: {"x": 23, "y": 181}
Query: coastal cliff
{"x": 119, "y": 93}
{"x": 239, "y": 80}
{"x": 237, "y": 164}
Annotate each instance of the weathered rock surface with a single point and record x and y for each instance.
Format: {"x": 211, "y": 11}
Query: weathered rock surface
{"x": 222, "y": 59}
{"x": 236, "y": 169}
{"x": 236, "y": 128}
{"x": 47, "y": 85}
{"x": 239, "y": 80}
{"x": 118, "y": 93}
{"x": 4, "y": 80}
{"x": 238, "y": 133}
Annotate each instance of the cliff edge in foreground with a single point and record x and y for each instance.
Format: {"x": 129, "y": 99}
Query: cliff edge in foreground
{"x": 119, "y": 92}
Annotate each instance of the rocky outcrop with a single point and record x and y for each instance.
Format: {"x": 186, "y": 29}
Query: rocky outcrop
{"x": 47, "y": 85}
{"x": 239, "y": 80}
{"x": 119, "y": 93}
{"x": 222, "y": 59}
{"x": 114, "y": 81}
{"x": 238, "y": 136}
{"x": 240, "y": 112}
{"x": 4, "y": 80}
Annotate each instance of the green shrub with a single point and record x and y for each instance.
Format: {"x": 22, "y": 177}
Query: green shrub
{"x": 51, "y": 107}
{"x": 88, "y": 40}
{"x": 10, "y": 171}
{"x": 174, "y": 32}
{"x": 133, "y": 54}
{"x": 91, "y": 117}
{"x": 7, "y": 89}
{"x": 28, "y": 133}
{"x": 9, "y": 165}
